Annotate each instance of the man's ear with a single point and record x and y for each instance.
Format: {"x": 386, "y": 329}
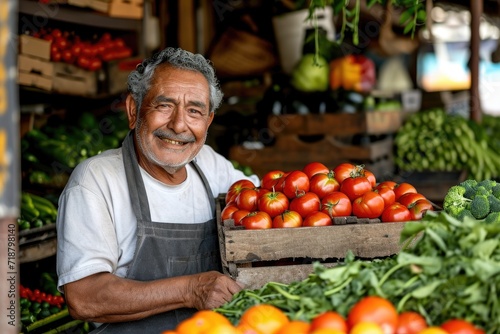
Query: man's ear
{"x": 131, "y": 109}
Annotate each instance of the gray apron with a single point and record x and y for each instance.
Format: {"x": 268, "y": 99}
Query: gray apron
{"x": 164, "y": 249}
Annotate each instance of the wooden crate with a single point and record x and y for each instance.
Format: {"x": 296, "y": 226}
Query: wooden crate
{"x": 327, "y": 138}
{"x": 255, "y": 257}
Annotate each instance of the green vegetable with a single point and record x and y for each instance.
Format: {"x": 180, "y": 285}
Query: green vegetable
{"x": 310, "y": 74}
{"x": 480, "y": 207}
{"x": 447, "y": 269}
{"x": 455, "y": 202}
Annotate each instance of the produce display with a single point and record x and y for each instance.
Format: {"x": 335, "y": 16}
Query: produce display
{"x": 36, "y": 211}
{"x": 88, "y": 54}
{"x": 44, "y": 310}
{"x": 433, "y": 140}
{"x": 447, "y": 273}
{"x": 316, "y": 195}
{"x": 49, "y": 154}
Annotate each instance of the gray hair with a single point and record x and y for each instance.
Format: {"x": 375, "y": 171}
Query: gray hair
{"x": 139, "y": 79}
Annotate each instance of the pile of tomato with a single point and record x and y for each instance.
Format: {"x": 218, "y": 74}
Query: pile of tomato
{"x": 370, "y": 315}
{"x": 315, "y": 195}
{"x": 87, "y": 54}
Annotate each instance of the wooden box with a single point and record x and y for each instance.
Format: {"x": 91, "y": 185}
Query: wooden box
{"x": 70, "y": 79}
{"x": 364, "y": 138}
{"x": 285, "y": 255}
{"x": 35, "y": 72}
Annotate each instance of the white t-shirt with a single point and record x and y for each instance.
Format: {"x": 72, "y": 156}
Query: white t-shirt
{"x": 96, "y": 225}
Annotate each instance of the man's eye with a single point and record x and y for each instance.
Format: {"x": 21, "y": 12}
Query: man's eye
{"x": 195, "y": 111}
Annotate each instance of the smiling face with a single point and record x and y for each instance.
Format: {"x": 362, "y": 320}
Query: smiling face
{"x": 171, "y": 127}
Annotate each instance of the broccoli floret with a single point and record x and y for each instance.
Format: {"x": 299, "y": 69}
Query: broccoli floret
{"x": 495, "y": 191}
{"x": 494, "y": 203}
{"x": 480, "y": 207}
{"x": 482, "y": 191}
{"x": 454, "y": 202}
{"x": 493, "y": 217}
{"x": 488, "y": 184}
{"x": 464, "y": 213}
{"x": 470, "y": 188}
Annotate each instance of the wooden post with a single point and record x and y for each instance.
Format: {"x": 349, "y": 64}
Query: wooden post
{"x": 9, "y": 171}
{"x": 475, "y": 42}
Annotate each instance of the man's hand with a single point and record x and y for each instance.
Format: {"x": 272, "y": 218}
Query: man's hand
{"x": 210, "y": 290}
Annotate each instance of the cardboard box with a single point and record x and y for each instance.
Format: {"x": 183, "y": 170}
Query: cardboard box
{"x": 285, "y": 255}
{"x": 70, "y": 79}
{"x": 128, "y": 9}
{"x": 117, "y": 72}
{"x": 35, "y": 47}
{"x": 35, "y": 72}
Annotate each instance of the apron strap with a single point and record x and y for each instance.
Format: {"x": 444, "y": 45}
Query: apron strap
{"x": 207, "y": 185}
{"x": 135, "y": 183}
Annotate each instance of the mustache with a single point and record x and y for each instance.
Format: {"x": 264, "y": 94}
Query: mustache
{"x": 165, "y": 134}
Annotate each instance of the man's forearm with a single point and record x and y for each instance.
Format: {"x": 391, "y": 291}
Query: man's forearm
{"x": 105, "y": 297}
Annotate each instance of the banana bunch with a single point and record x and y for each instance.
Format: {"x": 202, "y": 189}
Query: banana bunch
{"x": 36, "y": 211}
{"x": 433, "y": 140}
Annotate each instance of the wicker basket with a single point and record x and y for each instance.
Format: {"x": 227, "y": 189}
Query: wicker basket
{"x": 239, "y": 53}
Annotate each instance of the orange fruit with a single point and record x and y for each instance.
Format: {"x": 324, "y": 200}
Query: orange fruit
{"x": 366, "y": 327}
{"x": 433, "y": 330}
{"x": 331, "y": 320}
{"x": 222, "y": 329}
{"x": 246, "y": 329}
{"x": 265, "y": 318}
{"x": 374, "y": 309}
{"x": 169, "y": 332}
{"x": 326, "y": 331}
{"x": 201, "y": 321}
{"x": 295, "y": 327}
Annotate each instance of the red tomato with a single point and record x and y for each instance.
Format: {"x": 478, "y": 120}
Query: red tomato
{"x": 388, "y": 183}
{"x": 287, "y": 219}
{"x": 374, "y": 309}
{"x": 323, "y": 183}
{"x": 56, "y": 32}
{"x": 314, "y": 168}
{"x": 271, "y": 179}
{"x": 459, "y": 326}
{"x": 83, "y": 62}
{"x": 387, "y": 194}
{"x": 402, "y": 188}
{"x": 281, "y": 182}
{"x": 343, "y": 171}
{"x": 238, "y": 216}
{"x": 355, "y": 187}
{"x": 247, "y": 199}
{"x": 410, "y": 322}
{"x": 419, "y": 208}
{"x": 61, "y": 43}
{"x": 305, "y": 204}
{"x": 273, "y": 202}
{"x": 227, "y": 212}
{"x": 257, "y": 220}
{"x": 295, "y": 183}
{"x": 395, "y": 212}
{"x": 236, "y": 188}
{"x": 368, "y": 205}
{"x": 67, "y": 56}
{"x": 317, "y": 218}
{"x": 370, "y": 176}
{"x": 330, "y": 320}
{"x": 409, "y": 198}
{"x": 336, "y": 204}
{"x": 95, "y": 64}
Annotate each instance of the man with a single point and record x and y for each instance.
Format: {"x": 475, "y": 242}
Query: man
{"x": 137, "y": 238}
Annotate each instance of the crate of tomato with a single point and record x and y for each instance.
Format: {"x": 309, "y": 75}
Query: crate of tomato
{"x": 275, "y": 232}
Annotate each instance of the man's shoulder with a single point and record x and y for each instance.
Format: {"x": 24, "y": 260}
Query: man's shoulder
{"x": 107, "y": 163}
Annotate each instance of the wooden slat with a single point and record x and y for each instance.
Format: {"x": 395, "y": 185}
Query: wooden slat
{"x": 364, "y": 240}
{"x": 254, "y": 278}
{"x": 382, "y": 122}
{"x": 187, "y": 25}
